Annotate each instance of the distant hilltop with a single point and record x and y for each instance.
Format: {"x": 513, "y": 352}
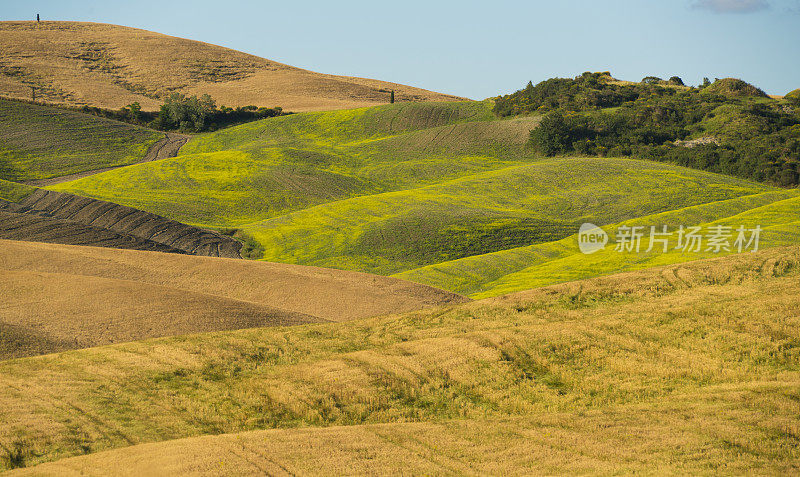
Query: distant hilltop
{"x": 110, "y": 66}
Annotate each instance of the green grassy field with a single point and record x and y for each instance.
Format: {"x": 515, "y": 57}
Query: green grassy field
{"x": 267, "y": 168}
{"x": 641, "y": 359}
{"x": 39, "y": 142}
{"x": 13, "y": 192}
{"x": 540, "y": 202}
{"x": 443, "y": 194}
{"x": 777, "y": 212}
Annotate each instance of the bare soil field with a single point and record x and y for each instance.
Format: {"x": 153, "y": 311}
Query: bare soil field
{"x": 45, "y": 313}
{"x": 59, "y": 297}
{"x": 111, "y": 66}
{"x": 68, "y": 213}
{"x": 15, "y": 226}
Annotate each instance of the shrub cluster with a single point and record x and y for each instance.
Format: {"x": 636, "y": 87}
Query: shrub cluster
{"x": 186, "y": 113}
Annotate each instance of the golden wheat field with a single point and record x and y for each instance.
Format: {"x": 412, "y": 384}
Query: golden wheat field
{"x": 690, "y": 368}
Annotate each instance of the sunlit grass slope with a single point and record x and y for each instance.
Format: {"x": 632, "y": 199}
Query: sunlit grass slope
{"x": 539, "y": 202}
{"x": 521, "y": 268}
{"x": 14, "y": 192}
{"x": 38, "y": 142}
{"x": 394, "y": 188}
{"x": 263, "y": 169}
{"x": 695, "y": 366}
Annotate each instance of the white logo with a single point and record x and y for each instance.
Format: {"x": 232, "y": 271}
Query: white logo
{"x": 591, "y": 238}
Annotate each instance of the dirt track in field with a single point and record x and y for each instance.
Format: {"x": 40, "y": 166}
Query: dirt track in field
{"x": 164, "y": 148}
{"x": 59, "y": 297}
{"x": 66, "y": 213}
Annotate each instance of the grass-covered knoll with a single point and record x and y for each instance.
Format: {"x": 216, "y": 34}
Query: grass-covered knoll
{"x": 543, "y": 264}
{"x": 710, "y": 385}
{"x": 267, "y": 168}
{"x": 395, "y": 188}
{"x": 735, "y": 87}
{"x": 39, "y": 142}
{"x": 729, "y": 127}
{"x": 334, "y": 128}
{"x": 783, "y": 229}
{"x": 540, "y": 202}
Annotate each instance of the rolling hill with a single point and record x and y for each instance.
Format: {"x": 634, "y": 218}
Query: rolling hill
{"x": 439, "y": 193}
{"x": 55, "y": 217}
{"x": 57, "y": 296}
{"x": 638, "y": 372}
{"x": 45, "y": 145}
{"x": 543, "y": 264}
{"x": 111, "y": 66}
{"x": 420, "y": 300}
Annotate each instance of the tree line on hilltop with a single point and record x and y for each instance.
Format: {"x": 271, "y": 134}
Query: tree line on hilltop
{"x": 727, "y": 126}
{"x": 187, "y": 114}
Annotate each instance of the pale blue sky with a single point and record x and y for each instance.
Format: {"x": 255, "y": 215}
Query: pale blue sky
{"x": 479, "y": 49}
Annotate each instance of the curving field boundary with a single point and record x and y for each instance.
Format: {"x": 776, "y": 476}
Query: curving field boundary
{"x": 58, "y": 217}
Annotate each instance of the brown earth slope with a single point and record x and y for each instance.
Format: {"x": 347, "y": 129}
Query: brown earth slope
{"x": 66, "y": 213}
{"x": 31, "y": 227}
{"x": 44, "y": 313}
{"x": 112, "y": 66}
{"x": 58, "y": 297}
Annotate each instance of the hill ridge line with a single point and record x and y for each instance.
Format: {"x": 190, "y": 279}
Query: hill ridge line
{"x": 143, "y": 69}
{"x": 466, "y": 178}
{"x": 457, "y": 180}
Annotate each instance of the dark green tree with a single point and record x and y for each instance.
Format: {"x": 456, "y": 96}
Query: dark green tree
{"x": 186, "y": 113}
{"x": 552, "y": 136}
